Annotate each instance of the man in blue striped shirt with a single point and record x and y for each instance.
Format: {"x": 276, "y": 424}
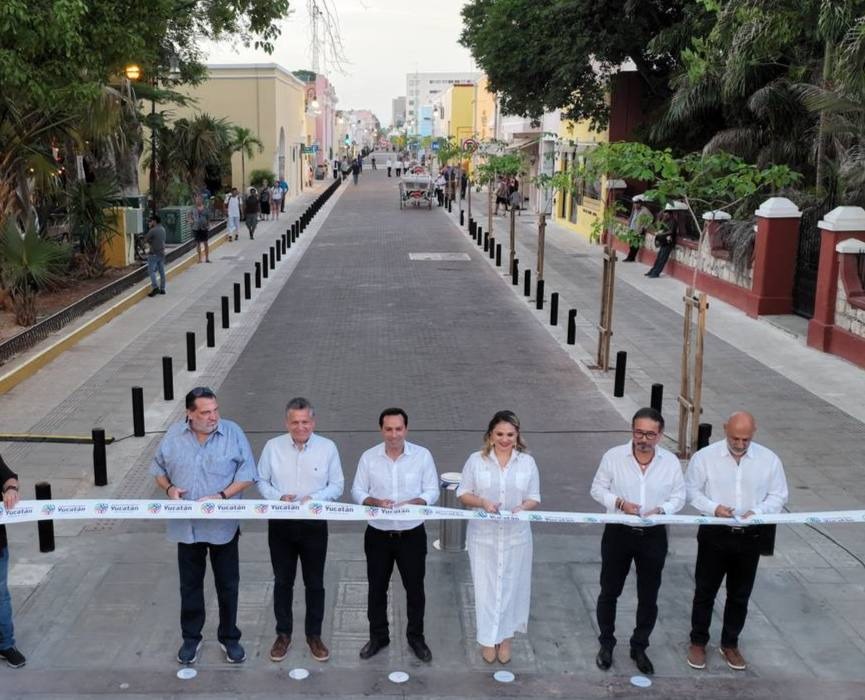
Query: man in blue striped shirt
{"x": 205, "y": 458}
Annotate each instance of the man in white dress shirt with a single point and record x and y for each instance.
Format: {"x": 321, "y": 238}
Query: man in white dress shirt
{"x": 638, "y": 478}
{"x": 732, "y": 478}
{"x": 297, "y": 467}
{"x": 395, "y": 473}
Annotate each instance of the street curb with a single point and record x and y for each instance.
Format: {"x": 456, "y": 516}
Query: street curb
{"x": 28, "y": 368}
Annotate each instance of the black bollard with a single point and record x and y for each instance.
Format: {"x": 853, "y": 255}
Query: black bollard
{"x": 190, "y": 350}
{"x": 462, "y": 218}
{"x": 288, "y": 242}
{"x": 572, "y": 327}
{"x": 284, "y": 239}
{"x": 619, "y": 382}
{"x": 486, "y": 242}
{"x": 167, "y": 380}
{"x": 450, "y": 206}
{"x": 237, "y": 297}
{"x": 137, "y": 411}
{"x": 294, "y": 228}
{"x": 225, "y": 312}
{"x": 704, "y": 432}
{"x": 473, "y": 227}
{"x": 554, "y": 309}
{"x": 498, "y": 253}
{"x": 211, "y": 329}
{"x": 657, "y": 400}
{"x": 515, "y": 272}
{"x": 258, "y": 275}
{"x": 45, "y": 528}
{"x": 278, "y": 251}
{"x": 539, "y": 295}
{"x": 527, "y": 283}
{"x": 100, "y": 459}
{"x": 272, "y": 258}
{"x": 264, "y": 266}
{"x": 479, "y": 239}
{"x": 247, "y": 285}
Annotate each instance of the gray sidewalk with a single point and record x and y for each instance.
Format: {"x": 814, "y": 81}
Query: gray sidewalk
{"x": 352, "y": 322}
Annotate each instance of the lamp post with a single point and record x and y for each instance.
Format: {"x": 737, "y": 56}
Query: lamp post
{"x": 133, "y": 73}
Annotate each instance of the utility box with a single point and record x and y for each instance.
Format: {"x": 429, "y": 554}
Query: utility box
{"x": 177, "y": 224}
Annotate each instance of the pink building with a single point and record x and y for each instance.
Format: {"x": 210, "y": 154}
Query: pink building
{"x": 321, "y": 104}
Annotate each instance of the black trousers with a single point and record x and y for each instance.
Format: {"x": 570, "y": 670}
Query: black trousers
{"x": 290, "y": 540}
{"x": 632, "y": 252}
{"x": 192, "y": 564}
{"x": 388, "y": 172}
{"x": 724, "y": 551}
{"x": 406, "y": 549}
{"x": 647, "y": 548}
{"x": 660, "y": 261}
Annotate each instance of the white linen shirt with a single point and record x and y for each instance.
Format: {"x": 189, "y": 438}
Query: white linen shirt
{"x": 314, "y": 470}
{"x": 757, "y": 483}
{"x": 619, "y": 475}
{"x": 412, "y": 475}
{"x": 518, "y": 481}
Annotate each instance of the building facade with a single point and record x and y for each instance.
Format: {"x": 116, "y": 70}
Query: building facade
{"x": 397, "y": 109}
{"x": 426, "y": 89}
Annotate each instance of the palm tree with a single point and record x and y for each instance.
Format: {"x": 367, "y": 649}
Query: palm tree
{"x": 244, "y": 141}
{"x": 199, "y": 142}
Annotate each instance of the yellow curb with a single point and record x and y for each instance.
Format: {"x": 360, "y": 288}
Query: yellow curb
{"x": 42, "y": 358}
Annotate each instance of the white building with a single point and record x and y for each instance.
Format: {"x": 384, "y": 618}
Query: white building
{"x": 423, "y": 89}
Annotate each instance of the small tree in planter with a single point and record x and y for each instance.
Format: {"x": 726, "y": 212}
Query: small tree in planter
{"x": 258, "y": 177}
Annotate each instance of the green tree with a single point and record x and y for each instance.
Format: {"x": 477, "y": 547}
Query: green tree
{"x": 246, "y": 143}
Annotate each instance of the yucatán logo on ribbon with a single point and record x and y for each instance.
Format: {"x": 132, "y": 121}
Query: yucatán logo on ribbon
{"x": 48, "y": 509}
{"x": 316, "y": 508}
{"x": 154, "y": 508}
{"x": 207, "y": 508}
{"x": 261, "y": 508}
{"x": 100, "y": 508}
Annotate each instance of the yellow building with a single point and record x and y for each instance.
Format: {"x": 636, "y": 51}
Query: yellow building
{"x": 269, "y": 100}
{"x": 579, "y": 211}
{"x": 485, "y": 111}
{"x": 458, "y": 111}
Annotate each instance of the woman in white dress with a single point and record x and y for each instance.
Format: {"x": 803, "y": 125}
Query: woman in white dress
{"x": 500, "y": 478}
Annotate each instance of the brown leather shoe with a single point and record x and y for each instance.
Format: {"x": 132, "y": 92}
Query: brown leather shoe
{"x": 317, "y": 648}
{"x": 697, "y": 656}
{"x": 734, "y": 659}
{"x": 279, "y": 650}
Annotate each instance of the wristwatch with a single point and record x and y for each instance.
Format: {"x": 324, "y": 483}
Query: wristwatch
{"x": 224, "y": 497}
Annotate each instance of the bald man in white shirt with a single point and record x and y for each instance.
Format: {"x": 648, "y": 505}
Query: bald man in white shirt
{"x": 638, "y": 478}
{"x": 733, "y": 478}
{"x": 392, "y": 474}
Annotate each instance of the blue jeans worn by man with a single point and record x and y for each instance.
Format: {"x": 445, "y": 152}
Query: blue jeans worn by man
{"x": 156, "y": 264}
{"x": 8, "y": 652}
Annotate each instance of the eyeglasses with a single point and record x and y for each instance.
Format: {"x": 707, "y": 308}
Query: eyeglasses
{"x": 645, "y": 434}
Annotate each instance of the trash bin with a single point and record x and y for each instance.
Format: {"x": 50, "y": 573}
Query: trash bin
{"x": 452, "y": 533}
{"x": 320, "y": 171}
{"x": 178, "y": 227}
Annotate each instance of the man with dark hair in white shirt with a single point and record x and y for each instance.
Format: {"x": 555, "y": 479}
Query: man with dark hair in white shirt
{"x": 637, "y": 478}
{"x": 297, "y": 467}
{"x": 395, "y": 473}
{"x": 732, "y": 478}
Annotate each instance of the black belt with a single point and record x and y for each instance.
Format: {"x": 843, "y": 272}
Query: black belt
{"x": 395, "y": 533}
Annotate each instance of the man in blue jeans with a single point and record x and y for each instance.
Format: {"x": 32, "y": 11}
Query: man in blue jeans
{"x": 8, "y": 652}
{"x": 155, "y": 239}
{"x": 205, "y": 458}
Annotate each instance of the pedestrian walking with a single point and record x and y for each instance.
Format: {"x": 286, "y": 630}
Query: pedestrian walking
{"x": 501, "y": 477}
{"x": 732, "y": 478}
{"x": 276, "y": 198}
{"x": 200, "y": 219}
{"x": 389, "y": 166}
{"x": 355, "y": 170}
{"x": 515, "y": 198}
{"x": 502, "y": 195}
{"x": 251, "y": 210}
{"x": 665, "y": 241}
{"x": 372, "y": 160}
{"x": 641, "y": 218}
{"x": 637, "y": 478}
{"x": 296, "y": 467}
{"x": 155, "y": 240}
{"x": 233, "y": 210}
{"x": 283, "y": 187}
{"x": 8, "y": 651}
{"x": 346, "y": 168}
{"x": 439, "y": 185}
{"x": 205, "y": 457}
{"x": 399, "y": 166}
{"x": 264, "y": 201}
{"x": 336, "y": 168}
{"x": 392, "y": 474}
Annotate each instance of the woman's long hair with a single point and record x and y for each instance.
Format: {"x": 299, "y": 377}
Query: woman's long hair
{"x": 503, "y": 417}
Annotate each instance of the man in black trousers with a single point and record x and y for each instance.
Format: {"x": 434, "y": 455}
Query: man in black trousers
{"x": 395, "y": 473}
{"x": 637, "y": 478}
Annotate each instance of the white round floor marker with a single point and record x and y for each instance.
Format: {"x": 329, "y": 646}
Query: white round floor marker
{"x": 298, "y": 674}
{"x": 504, "y": 676}
{"x": 641, "y": 681}
{"x": 186, "y": 674}
{"x": 398, "y": 677}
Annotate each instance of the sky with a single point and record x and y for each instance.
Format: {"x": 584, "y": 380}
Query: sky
{"x": 382, "y": 39}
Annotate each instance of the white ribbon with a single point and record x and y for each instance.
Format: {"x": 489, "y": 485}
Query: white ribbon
{"x": 112, "y": 509}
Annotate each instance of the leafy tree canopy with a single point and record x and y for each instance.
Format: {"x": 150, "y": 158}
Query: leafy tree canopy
{"x": 541, "y": 56}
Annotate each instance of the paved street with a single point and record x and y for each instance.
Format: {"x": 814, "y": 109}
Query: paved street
{"x": 351, "y": 321}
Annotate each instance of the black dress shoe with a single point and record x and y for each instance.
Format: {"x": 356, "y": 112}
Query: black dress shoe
{"x": 604, "y": 659}
{"x": 420, "y": 649}
{"x": 373, "y": 647}
{"x": 642, "y": 661}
